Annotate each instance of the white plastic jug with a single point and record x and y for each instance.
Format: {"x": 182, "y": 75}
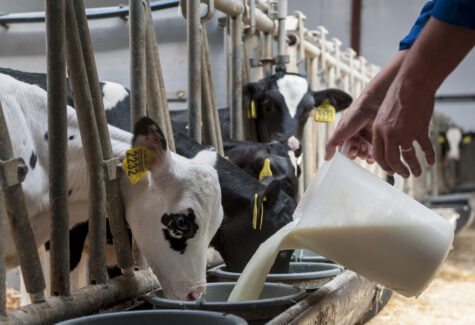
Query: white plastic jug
{"x": 356, "y": 219}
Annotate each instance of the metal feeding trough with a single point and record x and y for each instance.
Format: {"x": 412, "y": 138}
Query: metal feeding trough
{"x": 307, "y": 275}
{"x": 166, "y": 317}
{"x": 274, "y": 299}
{"x": 306, "y": 255}
{"x": 462, "y": 203}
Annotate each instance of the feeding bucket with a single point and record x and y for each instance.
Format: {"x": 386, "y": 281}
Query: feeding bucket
{"x": 166, "y": 317}
{"x": 274, "y": 299}
{"x": 359, "y": 221}
{"x": 306, "y": 275}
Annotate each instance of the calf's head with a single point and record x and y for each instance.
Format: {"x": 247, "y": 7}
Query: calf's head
{"x": 283, "y": 103}
{"x": 174, "y": 212}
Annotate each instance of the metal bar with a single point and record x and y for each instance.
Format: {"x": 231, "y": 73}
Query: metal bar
{"x": 338, "y": 296}
{"x": 194, "y": 68}
{"x": 92, "y": 149}
{"x": 355, "y": 25}
{"x": 163, "y": 92}
{"x": 455, "y": 98}
{"x": 154, "y": 94}
{"x": 138, "y": 96}
{"x": 90, "y": 14}
{"x": 212, "y": 89}
{"x": 20, "y": 226}
{"x": 85, "y": 301}
{"x": 267, "y": 59}
{"x": 282, "y": 33}
{"x": 236, "y": 68}
{"x": 115, "y": 203}
{"x": 209, "y": 134}
{"x": 3, "y": 287}
{"x": 57, "y": 147}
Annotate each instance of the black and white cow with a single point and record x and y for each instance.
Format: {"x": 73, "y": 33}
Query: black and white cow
{"x": 251, "y": 157}
{"x": 173, "y": 212}
{"x": 283, "y": 102}
{"x": 238, "y": 188}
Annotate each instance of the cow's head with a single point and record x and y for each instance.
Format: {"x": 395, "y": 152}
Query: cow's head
{"x": 283, "y": 103}
{"x": 254, "y": 216}
{"x": 174, "y": 212}
{"x": 259, "y": 159}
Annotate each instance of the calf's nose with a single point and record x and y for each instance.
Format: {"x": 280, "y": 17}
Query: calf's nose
{"x": 195, "y": 293}
{"x": 294, "y": 144}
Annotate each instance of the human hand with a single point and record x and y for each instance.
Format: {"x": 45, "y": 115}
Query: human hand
{"x": 403, "y": 118}
{"x": 355, "y": 127}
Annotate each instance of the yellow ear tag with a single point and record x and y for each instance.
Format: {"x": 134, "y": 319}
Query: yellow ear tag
{"x": 467, "y": 139}
{"x": 262, "y": 215}
{"x": 253, "y": 109}
{"x": 265, "y": 171}
{"x": 137, "y": 161}
{"x": 325, "y": 112}
{"x": 254, "y": 215}
{"x": 441, "y": 139}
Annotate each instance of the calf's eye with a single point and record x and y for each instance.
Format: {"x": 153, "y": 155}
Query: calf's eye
{"x": 182, "y": 223}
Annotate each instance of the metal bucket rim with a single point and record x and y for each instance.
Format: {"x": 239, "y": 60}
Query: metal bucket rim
{"x": 333, "y": 270}
{"x": 237, "y": 319}
{"x": 209, "y": 305}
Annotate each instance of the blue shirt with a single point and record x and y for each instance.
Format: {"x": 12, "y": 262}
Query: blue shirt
{"x": 455, "y": 12}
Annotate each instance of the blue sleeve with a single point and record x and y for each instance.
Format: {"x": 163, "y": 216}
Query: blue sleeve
{"x": 424, "y": 16}
{"x": 456, "y": 12}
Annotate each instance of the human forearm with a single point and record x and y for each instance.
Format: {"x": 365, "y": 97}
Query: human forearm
{"x": 438, "y": 50}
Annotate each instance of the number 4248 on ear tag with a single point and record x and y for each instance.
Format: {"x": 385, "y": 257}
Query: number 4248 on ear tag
{"x": 325, "y": 112}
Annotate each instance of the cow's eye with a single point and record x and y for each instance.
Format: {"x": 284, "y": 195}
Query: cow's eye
{"x": 182, "y": 223}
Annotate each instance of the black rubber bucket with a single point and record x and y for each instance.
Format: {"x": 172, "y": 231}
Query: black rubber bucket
{"x": 275, "y": 298}
{"x": 306, "y": 255}
{"x": 158, "y": 317}
{"x": 307, "y": 275}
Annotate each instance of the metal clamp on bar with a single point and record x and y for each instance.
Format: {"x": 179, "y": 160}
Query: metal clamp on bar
{"x": 281, "y": 59}
{"x": 110, "y": 169}
{"x": 12, "y": 172}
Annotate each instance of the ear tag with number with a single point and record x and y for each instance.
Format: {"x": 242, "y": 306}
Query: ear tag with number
{"x": 467, "y": 139}
{"x": 325, "y": 112}
{"x": 137, "y": 161}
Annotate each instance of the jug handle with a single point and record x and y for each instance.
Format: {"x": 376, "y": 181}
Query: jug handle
{"x": 398, "y": 179}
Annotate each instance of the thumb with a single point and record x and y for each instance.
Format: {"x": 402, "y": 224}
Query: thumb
{"x": 346, "y": 129}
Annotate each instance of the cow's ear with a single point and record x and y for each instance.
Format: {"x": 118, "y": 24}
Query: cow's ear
{"x": 148, "y": 134}
{"x": 272, "y": 186}
{"x": 248, "y": 94}
{"x": 338, "y": 98}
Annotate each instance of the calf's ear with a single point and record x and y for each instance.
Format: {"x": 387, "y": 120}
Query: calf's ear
{"x": 272, "y": 186}
{"x": 148, "y": 134}
{"x": 338, "y": 98}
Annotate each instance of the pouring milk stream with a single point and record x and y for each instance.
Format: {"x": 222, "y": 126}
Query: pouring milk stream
{"x": 359, "y": 221}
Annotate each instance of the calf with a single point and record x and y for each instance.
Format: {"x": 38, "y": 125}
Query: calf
{"x": 252, "y": 156}
{"x": 173, "y": 212}
{"x": 238, "y": 189}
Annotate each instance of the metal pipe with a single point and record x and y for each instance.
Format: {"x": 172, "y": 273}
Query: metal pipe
{"x": 85, "y": 301}
{"x": 236, "y": 68}
{"x": 209, "y": 70}
{"x": 194, "y": 68}
{"x": 163, "y": 93}
{"x": 267, "y": 58}
{"x": 3, "y": 287}
{"x": 92, "y": 149}
{"x": 209, "y": 134}
{"x": 57, "y": 147}
{"x": 281, "y": 35}
{"x": 138, "y": 96}
{"x": 115, "y": 203}
{"x": 91, "y": 14}
{"x": 20, "y": 225}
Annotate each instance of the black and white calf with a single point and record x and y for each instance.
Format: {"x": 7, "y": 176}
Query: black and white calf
{"x": 173, "y": 212}
{"x": 238, "y": 188}
{"x": 283, "y": 102}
